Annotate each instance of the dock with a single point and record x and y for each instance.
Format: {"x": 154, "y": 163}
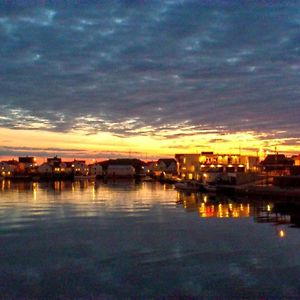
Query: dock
{"x": 261, "y": 190}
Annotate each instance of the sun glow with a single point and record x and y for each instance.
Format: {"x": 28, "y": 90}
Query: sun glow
{"x": 105, "y": 144}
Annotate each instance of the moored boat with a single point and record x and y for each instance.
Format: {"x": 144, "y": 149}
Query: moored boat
{"x": 188, "y": 186}
{"x": 210, "y": 187}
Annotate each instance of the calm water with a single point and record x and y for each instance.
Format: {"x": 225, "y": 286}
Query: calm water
{"x": 125, "y": 240}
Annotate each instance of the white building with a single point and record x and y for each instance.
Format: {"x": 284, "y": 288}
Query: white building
{"x": 120, "y": 171}
{"x": 80, "y": 168}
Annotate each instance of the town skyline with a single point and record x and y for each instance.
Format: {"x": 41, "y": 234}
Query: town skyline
{"x": 150, "y": 79}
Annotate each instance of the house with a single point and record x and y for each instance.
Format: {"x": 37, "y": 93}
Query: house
{"x": 6, "y": 169}
{"x": 137, "y": 164}
{"x": 27, "y": 164}
{"x": 167, "y": 166}
{"x": 277, "y": 164}
{"x": 152, "y": 168}
{"x": 188, "y": 165}
{"x": 120, "y": 171}
{"x": 96, "y": 169}
{"x": 67, "y": 168}
{"x": 79, "y": 167}
{"x": 53, "y": 166}
{"x": 54, "y": 161}
{"x": 45, "y": 168}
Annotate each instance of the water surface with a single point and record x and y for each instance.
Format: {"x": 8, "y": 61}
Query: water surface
{"x": 67, "y": 240}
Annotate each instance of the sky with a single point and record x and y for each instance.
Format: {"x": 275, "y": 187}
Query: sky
{"x": 106, "y": 79}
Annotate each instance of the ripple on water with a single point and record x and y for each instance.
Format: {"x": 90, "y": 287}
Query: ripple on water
{"x": 99, "y": 240}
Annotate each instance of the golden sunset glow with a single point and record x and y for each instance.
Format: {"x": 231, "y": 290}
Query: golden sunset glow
{"x": 103, "y": 145}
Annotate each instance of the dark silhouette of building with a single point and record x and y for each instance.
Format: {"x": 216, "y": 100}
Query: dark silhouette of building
{"x": 278, "y": 163}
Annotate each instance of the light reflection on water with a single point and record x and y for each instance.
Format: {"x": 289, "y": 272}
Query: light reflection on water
{"x": 123, "y": 239}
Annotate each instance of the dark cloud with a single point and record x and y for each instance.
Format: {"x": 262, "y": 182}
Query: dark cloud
{"x": 139, "y": 67}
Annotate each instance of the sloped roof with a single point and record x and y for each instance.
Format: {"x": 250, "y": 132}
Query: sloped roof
{"x": 11, "y": 162}
{"x": 277, "y": 159}
{"x": 167, "y": 161}
{"x": 124, "y": 161}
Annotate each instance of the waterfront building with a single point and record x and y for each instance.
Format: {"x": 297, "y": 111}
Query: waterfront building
{"x": 54, "y": 161}
{"x": 194, "y": 166}
{"x": 296, "y": 159}
{"x": 67, "y": 167}
{"x": 54, "y": 166}
{"x": 60, "y": 168}
{"x": 167, "y": 166}
{"x": 137, "y": 164}
{"x": 96, "y": 169}
{"x": 6, "y": 169}
{"x": 152, "y": 168}
{"x": 45, "y": 168}
{"x": 188, "y": 165}
{"x": 120, "y": 171}
{"x": 27, "y": 165}
{"x": 79, "y": 167}
{"x": 277, "y": 164}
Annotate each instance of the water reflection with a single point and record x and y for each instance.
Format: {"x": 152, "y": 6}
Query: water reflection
{"x": 60, "y": 199}
{"x": 209, "y": 206}
{"x": 222, "y": 206}
{"x": 122, "y": 239}
{"x": 146, "y": 195}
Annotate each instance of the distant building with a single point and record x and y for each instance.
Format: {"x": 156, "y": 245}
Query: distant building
{"x": 152, "y": 168}
{"x": 45, "y": 168}
{"x": 27, "y": 159}
{"x": 120, "y": 171}
{"x": 277, "y": 164}
{"x": 54, "y": 161}
{"x": 27, "y": 164}
{"x": 96, "y": 169}
{"x": 167, "y": 166}
{"x": 6, "y": 170}
{"x": 193, "y": 166}
{"x": 296, "y": 160}
{"x": 67, "y": 167}
{"x": 79, "y": 167}
{"x": 188, "y": 165}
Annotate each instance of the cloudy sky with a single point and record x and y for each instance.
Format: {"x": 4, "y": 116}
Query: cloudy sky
{"x": 150, "y": 78}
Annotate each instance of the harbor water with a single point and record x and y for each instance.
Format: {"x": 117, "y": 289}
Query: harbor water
{"x": 122, "y": 239}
